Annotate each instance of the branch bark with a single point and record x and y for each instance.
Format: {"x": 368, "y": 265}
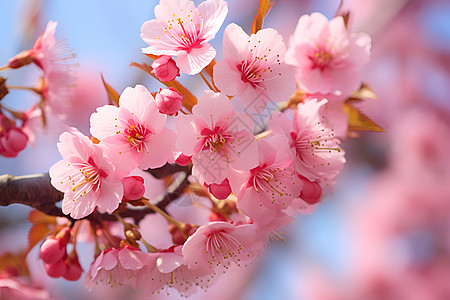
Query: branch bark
{"x": 37, "y": 192}
{"x": 31, "y": 190}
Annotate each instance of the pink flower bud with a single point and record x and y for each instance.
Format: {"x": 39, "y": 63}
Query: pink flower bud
{"x": 169, "y": 101}
{"x": 165, "y": 68}
{"x": 220, "y": 191}
{"x": 22, "y": 59}
{"x": 12, "y": 139}
{"x": 183, "y": 160}
{"x": 311, "y": 191}
{"x": 52, "y": 250}
{"x": 57, "y": 269}
{"x": 73, "y": 270}
{"x": 64, "y": 236}
{"x": 133, "y": 187}
{"x": 214, "y": 216}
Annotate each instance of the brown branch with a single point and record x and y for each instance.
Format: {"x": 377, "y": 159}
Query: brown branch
{"x": 168, "y": 169}
{"x": 37, "y": 192}
{"x": 31, "y": 190}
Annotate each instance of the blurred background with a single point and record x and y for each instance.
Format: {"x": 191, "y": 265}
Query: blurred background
{"x": 383, "y": 233}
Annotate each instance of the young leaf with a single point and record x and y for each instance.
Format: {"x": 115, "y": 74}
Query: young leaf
{"x": 263, "y": 9}
{"x": 38, "y": 217}
{"x": 112, "y": 94}
{"x": 357, "y": 121}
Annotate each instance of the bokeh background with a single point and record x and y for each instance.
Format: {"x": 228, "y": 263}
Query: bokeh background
{"x": 382, "y": 234}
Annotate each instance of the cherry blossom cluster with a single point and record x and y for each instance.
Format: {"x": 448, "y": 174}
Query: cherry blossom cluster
{"x": 250, "y": 177}
{"x": 54, "y": 87}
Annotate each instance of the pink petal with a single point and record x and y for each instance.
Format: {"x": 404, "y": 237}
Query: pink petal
{"x": 193, "y": 62}
{"x": 104, "y": 121}
{"x": 169, "y": 261}
{"x": 234, "y": 43}
{"x": 160, "y": 44}
{"x": 160, "y": 148}
{"x": 187, "y": 134}
{"x": 213, "y": 13}
{"x": 132, "y": 259}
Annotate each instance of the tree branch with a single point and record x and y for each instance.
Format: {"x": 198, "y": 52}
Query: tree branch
{"x": 31, "y": 190}
{"x": 37, "y": 192}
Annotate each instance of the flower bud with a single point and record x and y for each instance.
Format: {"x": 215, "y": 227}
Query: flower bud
{"x": 57, "y": 269}
{"x": 311, "y": 191}
{"x": 165, "y": 68}
{"x": 64, "y": 236}
{"x": 133, "y": 187}
{"x": 52, "y": 250}
{"x": 183, "y": 160}
{"x": 216, "y": 216}
{"x": 22, "y": 59}
{"x": 12, "y": 139}
{"x": 220, "y": 191}
{"x": 169, "y": 101}
{"x": 73, "y": 270}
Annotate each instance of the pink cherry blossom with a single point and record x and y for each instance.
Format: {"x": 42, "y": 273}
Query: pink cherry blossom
{"x": 134, "y": 132}
{"x": 217, "y": 138}
{"x": 57, "y": 90}
{"x": 86, "y": 176}
{"x": 183, "y": 30}
{"x": 11, "y": 288}
{"x": 173, "y": 272}
{"x": 254, "y": 66}
{"x": 271, "y": 186}
{"x": 46, "y": 53}
{"x": 316, "y": 151}
{"x": 56, "y": 60}
{"x": 165, "y": 68}
{"x": 221, "y": 244}
{"x": 327, "y": 56}
{"x": 116, "y": 267}
{"x": 334, "y": 113}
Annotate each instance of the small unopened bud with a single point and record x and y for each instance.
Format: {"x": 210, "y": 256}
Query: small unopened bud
{"x": 22, "y": 59}
{"x": 311, "y": 191}
{"x": 57, "y": 269}
{"x": 183, "y": 160}
{"x": 220, "y": 190}
{"x": 216, "y": 216}
{"x": 12, "y": 139}
{"x": 169, "y": 101}
{"x": 165, "y": 68}
{"x": 133, "y": 234}
{"x": 133, "y": 187}
{"x": 64, "y": 236}
{"x": 52, "y": 250}
{"x": 73, "y": 269}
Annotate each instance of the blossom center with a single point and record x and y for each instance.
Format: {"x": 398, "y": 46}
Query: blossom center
{"x": 221, "y": 246}
{"x": 186, "y": 37}
{"x": 87, "y": 177}
{"x": 215, "y": 139}
{"x": 269, "y": 182}
{"x": 136, "y": 135}
{"x": 321, "y": 59}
